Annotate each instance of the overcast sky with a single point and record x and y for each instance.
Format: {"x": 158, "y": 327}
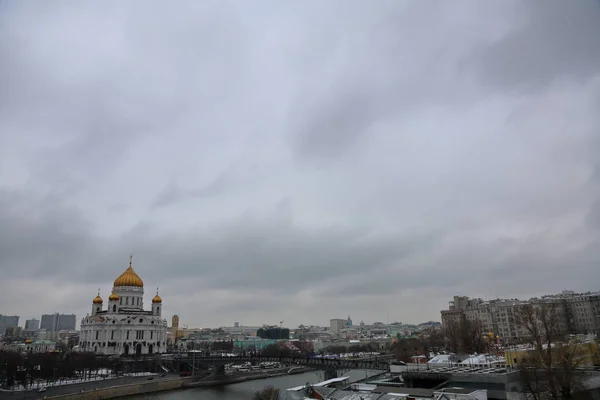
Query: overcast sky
{"x": 270, "y": 161}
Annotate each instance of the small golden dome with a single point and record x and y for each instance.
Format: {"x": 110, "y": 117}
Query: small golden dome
{"x": 129, "y": 278}
{"x": 97, "y": 299}
{"x": 113, "y": 297}
{"x": 156, "y": 299}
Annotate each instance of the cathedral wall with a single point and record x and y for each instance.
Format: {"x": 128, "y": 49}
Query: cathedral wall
{"x": 124, "y": 334}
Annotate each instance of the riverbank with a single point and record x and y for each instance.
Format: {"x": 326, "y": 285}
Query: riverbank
{"x": 154, "y": 386}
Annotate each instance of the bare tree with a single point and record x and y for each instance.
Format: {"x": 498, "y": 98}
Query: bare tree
{"x": 465, "y": 336}
{"x": 550, "y": 370}
{"x": 268, "y": 393}
{"x": 472, "y": 337}
{"x": 452, "y": 334}
{"x": 432, "y": 340}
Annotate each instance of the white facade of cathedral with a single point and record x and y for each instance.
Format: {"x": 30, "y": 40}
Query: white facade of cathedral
{"x": 124, "y": 327}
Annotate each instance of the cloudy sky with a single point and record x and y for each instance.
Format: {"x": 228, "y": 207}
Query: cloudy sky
{"x": 269, "y": 161}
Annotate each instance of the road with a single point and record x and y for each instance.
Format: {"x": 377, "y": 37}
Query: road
{"x": 77, "y": 387}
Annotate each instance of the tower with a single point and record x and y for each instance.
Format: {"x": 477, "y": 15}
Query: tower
{"x": 130, "y": 289}
{"x": 156, "y": 304}
{"x": 97, "y": 304}
{"x": 113, "y": 303}
{"x": 175, "y": 327}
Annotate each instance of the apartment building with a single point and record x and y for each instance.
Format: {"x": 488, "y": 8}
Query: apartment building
{"x": 577, "y": 313}
{"x": 58, "y": 322}
{"x": 337, "y": 324}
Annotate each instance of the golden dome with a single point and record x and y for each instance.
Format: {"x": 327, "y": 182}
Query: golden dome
{"x": 156, "y": 299}
{"x": 97, "y": 299}
{"x": 129, "y": 278}
{"x": 113, "y": 297}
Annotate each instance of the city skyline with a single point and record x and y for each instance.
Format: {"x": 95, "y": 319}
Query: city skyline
{"x": 309, "y": 161}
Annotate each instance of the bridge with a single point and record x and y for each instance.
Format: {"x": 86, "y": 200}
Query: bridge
{"x": 329, "y": 365}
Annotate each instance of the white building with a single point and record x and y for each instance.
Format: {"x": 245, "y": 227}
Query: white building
{"x": 124, "y": 327}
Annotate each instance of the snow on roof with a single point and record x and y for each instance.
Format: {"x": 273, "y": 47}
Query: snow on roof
{"x": 330, "y": 381}
{"x": 442, "y": 359}
{"x": 484, "y": 359}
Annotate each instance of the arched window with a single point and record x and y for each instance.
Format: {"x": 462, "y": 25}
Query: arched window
{"x": 115, "y": 308}
{"x": 97, "y": 309}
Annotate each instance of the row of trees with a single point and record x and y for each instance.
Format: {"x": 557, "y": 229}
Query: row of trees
{"x": 27, "y": 368}
{"x": 225, "y": 345}
{"x": 20, "y": 368}
{"x": 354, "y": 348}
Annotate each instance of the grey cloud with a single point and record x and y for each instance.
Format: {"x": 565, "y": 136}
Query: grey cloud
{"x": 42, "y": 239}
{"x": 339, "y": 157}
{"x": 549, "y": 40}
{"x": 224, "y": 181}
{"x": 336, "y": 126}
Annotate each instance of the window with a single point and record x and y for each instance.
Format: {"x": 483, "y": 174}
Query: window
{"x": 127, "y": 334}
{"x": 97, "y": 332}
{"x": 139, "y": 335}
{"x": 115, "y": 308}
{"x": 127, "y": 300}
{"x": 112, "y": 335}
{"x": 151, "y": 334}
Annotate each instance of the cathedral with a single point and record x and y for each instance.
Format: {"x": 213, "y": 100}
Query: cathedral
{"x": 124, "y": 327}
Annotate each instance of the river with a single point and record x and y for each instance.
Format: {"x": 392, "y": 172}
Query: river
{"x": 245, "y": 390}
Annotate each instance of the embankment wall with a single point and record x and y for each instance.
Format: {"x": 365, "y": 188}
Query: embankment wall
{"x": 126, "y": 390}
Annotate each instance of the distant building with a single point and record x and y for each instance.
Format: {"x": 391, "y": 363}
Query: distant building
{"x": 32, "y": 325}
{"x": 174, "y": 327}
{"x": 39, "y": 346}
{"x": 273, "y": 333}
{"x": 13, "y": 332}
{"x": 349, "y": 322}
{"x": 58, "y": 322}
{"x": 576, "y": 313}
{"x": 8, "y": 321}
{"x": 337, "y": 325}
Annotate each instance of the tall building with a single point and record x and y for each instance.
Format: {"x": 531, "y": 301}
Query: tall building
{"x": 578, "y": 313}
{"x": 337, "y": 325}
{"x": 174, "y": 327}
{"x": 32, "y": 325}
{"x": 124, "y": 327}
{"x": 8, "y": 321}
{"x": 58, "y": 322}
